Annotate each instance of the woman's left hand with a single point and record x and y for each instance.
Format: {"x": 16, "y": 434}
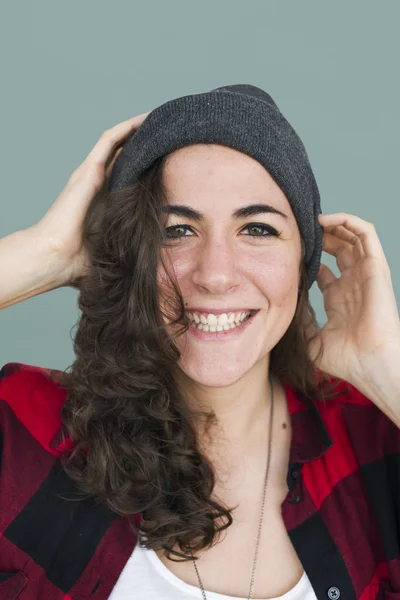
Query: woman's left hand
{"x": 363, "y": 320}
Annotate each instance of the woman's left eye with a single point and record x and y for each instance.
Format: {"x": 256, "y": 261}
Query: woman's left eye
{"x": 263, "y": 230}
{"x": 267, "y": 229}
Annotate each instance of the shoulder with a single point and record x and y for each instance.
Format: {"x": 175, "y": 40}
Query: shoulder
{"x": 32, "y": 397}
{"x": 30, "y": 405}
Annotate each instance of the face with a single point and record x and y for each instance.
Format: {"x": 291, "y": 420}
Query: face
{"x": 229, "y": 263}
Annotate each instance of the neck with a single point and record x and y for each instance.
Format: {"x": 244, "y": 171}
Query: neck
{"x": 241, "y": 409}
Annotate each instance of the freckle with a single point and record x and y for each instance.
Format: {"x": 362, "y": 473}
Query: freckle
{"x": 284, "y": 425}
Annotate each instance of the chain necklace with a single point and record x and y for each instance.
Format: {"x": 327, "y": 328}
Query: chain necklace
{"x": 262, "y": 508}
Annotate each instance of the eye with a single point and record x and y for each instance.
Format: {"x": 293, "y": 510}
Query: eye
{"x": 267, "y": 230}
{"x": 174, "y": 231}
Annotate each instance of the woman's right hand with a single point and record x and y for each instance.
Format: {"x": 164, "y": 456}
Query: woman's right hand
{"x": 63, "y": 222}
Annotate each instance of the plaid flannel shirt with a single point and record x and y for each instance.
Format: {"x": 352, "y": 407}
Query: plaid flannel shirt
{"x": 342, "y": 512}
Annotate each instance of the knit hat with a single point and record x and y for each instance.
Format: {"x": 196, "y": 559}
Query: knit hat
{"x": 243, "y": 117}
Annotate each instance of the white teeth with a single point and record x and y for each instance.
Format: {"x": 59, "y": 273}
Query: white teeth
{"x": 222, "y": 319}
{"x": 212, "y": 320}
{"x": 212, "y": 323}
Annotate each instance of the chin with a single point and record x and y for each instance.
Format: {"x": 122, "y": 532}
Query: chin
{"x": 216, "y": 375}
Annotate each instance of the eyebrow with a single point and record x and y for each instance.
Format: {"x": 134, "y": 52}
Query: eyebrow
{"x": 181, "y": 210}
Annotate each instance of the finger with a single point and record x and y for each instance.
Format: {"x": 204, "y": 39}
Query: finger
{"x": 363, "y": 229}
{"x": 351, "y": 239}
{"x": 345, "y": 246}
{"x": 112, "y": 138}
{"x": 110, "y": 165}
{"x": 341, "y": 249}
{"x": 325, "y": 277}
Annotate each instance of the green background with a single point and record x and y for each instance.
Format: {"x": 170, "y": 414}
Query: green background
{"x": 72, "y": 69}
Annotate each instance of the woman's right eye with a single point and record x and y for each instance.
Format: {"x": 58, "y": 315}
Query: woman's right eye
{"x": 174, "y": 233}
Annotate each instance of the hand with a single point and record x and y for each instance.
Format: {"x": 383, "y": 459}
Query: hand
{"x": 62, "y": 224}
{"x": 363, "y": 319}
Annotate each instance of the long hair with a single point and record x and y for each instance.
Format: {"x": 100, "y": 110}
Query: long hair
{"x": 134, "y": 439}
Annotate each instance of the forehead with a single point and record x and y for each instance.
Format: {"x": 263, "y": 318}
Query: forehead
{"x": 204, "y": 172}
{"x": 213, "y": 158}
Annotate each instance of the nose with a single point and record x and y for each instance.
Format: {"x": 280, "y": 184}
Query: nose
{"x": 216, "y": 267}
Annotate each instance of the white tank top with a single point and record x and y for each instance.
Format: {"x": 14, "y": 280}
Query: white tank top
{"x": 146, "y": 577}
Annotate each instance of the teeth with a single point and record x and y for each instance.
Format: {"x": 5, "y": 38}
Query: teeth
{"x": 212, "y": 320}
{"x": 213, "y": 323}
{"x": 222, "y": 319}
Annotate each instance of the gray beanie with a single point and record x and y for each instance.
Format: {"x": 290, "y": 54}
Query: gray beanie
{"x": 243, "y": 117}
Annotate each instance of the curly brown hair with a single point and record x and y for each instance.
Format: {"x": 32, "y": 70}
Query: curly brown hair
{"x": 135, "y": 446}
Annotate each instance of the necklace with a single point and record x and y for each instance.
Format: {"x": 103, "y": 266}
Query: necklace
{"x": 262, "y": 507}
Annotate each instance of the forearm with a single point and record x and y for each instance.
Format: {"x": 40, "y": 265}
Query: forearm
{"x": 28, "y": 267}
{"x": 380, "y": 381}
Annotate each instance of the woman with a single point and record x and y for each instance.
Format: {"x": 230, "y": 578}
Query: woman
{"x": 210, "y": 440}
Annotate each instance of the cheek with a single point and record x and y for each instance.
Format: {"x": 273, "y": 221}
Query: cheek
{"x": 179, "y": 269}
{"x": 178, "y": 265}
{"x": 162, "y": 278}
{"x": 276, "y": 276}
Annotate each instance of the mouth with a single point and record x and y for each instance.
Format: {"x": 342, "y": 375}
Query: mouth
{"x": 216, "y": 327}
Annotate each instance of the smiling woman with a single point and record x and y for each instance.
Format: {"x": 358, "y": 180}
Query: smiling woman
{"x": 202, "y": 230}
{"x": 212, "y": 450}
{"x": 157, "y": 262}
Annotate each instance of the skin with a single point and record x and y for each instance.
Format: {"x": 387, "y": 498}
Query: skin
{"x": 218, "y": 263}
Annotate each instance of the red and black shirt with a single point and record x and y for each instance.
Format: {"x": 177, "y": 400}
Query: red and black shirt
{"x": 342, "y": 512}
